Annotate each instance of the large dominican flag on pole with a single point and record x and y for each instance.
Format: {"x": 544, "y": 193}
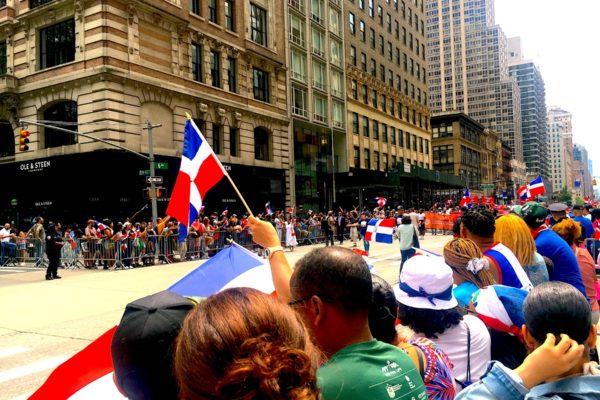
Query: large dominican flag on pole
{"x": 200, "y": 170}
{"x": 381, "y": 230}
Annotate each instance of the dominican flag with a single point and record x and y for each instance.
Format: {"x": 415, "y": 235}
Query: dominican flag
{"x": 381, "y": 201}
{"x": 200, "y": 170}
{"x": 381, "y": 230}
{"x": 268, "y": 209}
{"x": 536, "y": 187}
{"x": 587, "y": 200}
{"x": 101, "y": 226}
{"x": 524, "y": 194}
{"x": 88, "y": 374}
{"x": 225, "y": 212}
{"x": 466, "y": 199}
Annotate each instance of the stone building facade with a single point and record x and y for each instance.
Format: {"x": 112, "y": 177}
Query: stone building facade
{"x": 106, "y": 68}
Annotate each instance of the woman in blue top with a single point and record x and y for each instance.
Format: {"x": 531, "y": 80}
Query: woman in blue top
{"x": 470, "y": 269}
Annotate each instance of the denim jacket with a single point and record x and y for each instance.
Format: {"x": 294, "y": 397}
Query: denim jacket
{"x": 502, "y": 383}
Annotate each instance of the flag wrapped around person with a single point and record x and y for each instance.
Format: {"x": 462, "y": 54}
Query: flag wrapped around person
{"x": 200, "y": 170}
{"x": 381, "y": 230}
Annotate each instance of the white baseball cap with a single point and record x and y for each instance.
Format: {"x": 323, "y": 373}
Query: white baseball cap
{"x": 426, "y": 282}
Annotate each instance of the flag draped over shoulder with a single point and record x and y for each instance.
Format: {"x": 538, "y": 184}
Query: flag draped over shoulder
{"x": 88, "y": 374}
{"x": 200, "y": 170}
{"x": 381, "y": 230}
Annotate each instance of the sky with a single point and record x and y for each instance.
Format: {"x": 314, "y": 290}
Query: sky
{"x": 563, "y": 39}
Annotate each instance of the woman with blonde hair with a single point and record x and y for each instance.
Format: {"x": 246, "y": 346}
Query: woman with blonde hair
{"x": 514, "y": 233}
{"x": 470, "y": 268}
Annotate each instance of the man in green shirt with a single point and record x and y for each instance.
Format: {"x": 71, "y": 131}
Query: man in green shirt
{"x": 331, "y": 288}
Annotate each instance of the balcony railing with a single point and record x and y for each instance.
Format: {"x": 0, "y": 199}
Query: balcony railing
{"x": 319, "y": 118}
{"x": 299, "y": 76}
{"x": 297, "y": 4}
{"x": 319, "y": 85}
{"x": 299, "y": 111}
{"x": 317, "y": 18}
{"x": 297, "y": 39}
{"x": 318, "y": 52}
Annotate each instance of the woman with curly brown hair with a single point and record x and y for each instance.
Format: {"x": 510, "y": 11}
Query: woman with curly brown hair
{"x": 470, "y": 269}
{"x": 244, "y": 344}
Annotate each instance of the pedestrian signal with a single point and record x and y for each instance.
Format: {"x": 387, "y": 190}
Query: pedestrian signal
{"x": 160, "y": 192}
{"x": 24, "y": 140}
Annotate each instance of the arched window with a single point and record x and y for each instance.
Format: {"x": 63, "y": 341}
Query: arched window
{"x": 65, "y": 111}
{"x": 262, "y": 144}
{"x": 7, "y": 139}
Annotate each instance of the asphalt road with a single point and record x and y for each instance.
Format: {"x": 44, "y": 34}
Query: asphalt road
{"x": 43, "y": 323}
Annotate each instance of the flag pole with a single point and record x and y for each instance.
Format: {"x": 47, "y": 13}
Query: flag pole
{"x": 188, "y": 116}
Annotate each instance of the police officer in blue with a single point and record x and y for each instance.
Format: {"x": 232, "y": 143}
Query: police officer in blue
{"x": 54, "y": 243}
{"x": 558, "y": 212}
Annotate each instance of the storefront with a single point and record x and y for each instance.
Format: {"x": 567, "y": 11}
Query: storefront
{"x": 111, "y": 184}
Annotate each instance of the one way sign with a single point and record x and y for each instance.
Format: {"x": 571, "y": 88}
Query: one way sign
{"x": 154, "y": 179}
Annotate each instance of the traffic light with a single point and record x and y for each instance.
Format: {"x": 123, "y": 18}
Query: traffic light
{"x": 24, "y": 140}
{"x": 161, "y": 192}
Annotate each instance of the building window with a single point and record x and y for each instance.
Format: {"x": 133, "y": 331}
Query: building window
{"x": 365, "y": 94}
{"x": 375, "y": 130}
{"x": 392, "y": 135}
{"x": 372, "y": 37}
{"x": 234, "y": 142}
{"x": 260, "y": 84}
{"x": 361, "y": 27}
{"x": 57, "y": 44}
{"x": 262, "y": 144}
{"x": 194, "y": 6}
{"x": 443, "y": 154}
{"x": 335, "y": 24}
{"x": 400, "y": 138}
{"x": 212, "y": 11}
{"x": 337, "y": 111}
{"x": 383, "y": 103}
{"x": 392, "y": 107}
{"x": 317, "y": 10}
{"x": 299, "y": 101}
{"x": 319, "y": 81}
{"x": 421, "y": 145}
{"x": 384, "y": 133}
{"x": 229, "y": 15}
{"x": 373, "y": 68}
{"x": 367, "y": 156}
{"x": 320, "y": 108}
{"x": 336, "y": 53}
{"x": 351, "y": 23}
{"x": 374, "y": 98}
{"x": 366, "y": 126}
{"x": 258, "y": 24}
{"x": 216, "y": 138}
{"x": 215, "y": 68}
{"x": 32, "y": 3}
{"x": 356, "y": 157}
{"x": 231, "y": 74}
{"x": 353, "y": 55}
{"x": 197, "y": 62}
{"x": 65, "y": 111}
{"x": 407, "y": 141}
{"x": 337, "y": 83}
{"x": 296, "y": 30}
{"x": 298, "y": 67}
{"x": 414, "y": 142}
{"x": 363, "y": 62}
{"x": 318, "y": 39}
{"x": 2, "y": 58}
{"x": 426, "y": 146}
{"x": 371, "y": 9}
{"x": 354, "y": 89}
{"x": 376, "y": 160}
{"x": 355, "y": 123}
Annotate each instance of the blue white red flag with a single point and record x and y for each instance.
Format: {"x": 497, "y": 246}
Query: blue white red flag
{"x": 381, "y": 230}
{"x": 101, "y": 226}
{"x": 200, "y": 170}
{"x": 524, "y": 195}
{"x": 268, "y": 209}
{"x": 381, "y": 201}
{"x": 466, "y": 199}
{"x": 88, "y": 374}
{"x": 536, "y": 187}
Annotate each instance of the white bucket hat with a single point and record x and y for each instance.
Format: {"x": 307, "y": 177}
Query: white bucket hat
{"x": 426, "y": 282}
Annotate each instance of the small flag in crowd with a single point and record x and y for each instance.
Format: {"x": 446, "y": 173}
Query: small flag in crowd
{"x": 466, "y": 199}
{"x": 101, "y": 226}
{"x": 225, "y": 212}
{"x": 290, "y": 210}
{"x": 381, "y": 201}
{"x": 268, "y": 209}
{"x": 587, "y": 200}
{"x": 199, "y": 171}
{"x": 381, "y": 230}
{"x": 88, "y": 374}
{"x": 536, "y": 187}
{"x": 523, "y": 194}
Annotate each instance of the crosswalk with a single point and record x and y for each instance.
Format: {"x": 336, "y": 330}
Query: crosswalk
{"x": 19, "y": 364}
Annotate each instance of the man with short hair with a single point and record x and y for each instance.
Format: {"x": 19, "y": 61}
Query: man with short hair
{"x": 8, "y": 249}
{"x": 549, "y": 244}
{"x": 586, "y": 224}
{"x": 558, "y": 212}
{"x": 331, "y": 289}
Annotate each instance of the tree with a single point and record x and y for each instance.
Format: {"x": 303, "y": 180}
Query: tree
{"x": 565, "y": 196}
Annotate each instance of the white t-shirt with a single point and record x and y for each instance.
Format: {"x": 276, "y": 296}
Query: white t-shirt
{"x": 5, "y": 232}
{"x": 454, "y": 344}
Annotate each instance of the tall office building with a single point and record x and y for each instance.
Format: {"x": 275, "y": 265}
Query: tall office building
{"x": 560, "y": 145}
{"x": 468, "y": 70}
{"x": 387, "y": 91}
{"x": 107, "y": 69}
{"x": 317, "y": 93}
{"x": 533, "y": 109}
{"x": 581, "y": 174}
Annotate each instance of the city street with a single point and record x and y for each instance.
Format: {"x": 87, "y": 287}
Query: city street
{"x": 43, "y": 323}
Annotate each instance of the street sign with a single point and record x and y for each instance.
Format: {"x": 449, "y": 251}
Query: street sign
{"x": 144, "y": 172}
{"x": 154, "y": 179}
{"x": 487, "y": 186}
{"x": 161, "y": 165}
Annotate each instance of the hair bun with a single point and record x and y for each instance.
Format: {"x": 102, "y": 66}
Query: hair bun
{"x": 268, "y": 370}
